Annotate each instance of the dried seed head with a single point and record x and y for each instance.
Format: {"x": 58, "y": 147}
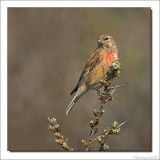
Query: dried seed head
{"x": 84, "y": 143}
{"x": 95, "y": 112}
{"x": 103, "y": 136}
{"x": 66, "y": 147}
{"x": 50, "y": 127}
{"x": 57, "y": 127}
{"x": 58, "y": 135}
{"x": 99, "y": 139}
{"x": 118, "y": 130}
{"x": 95, "y": 129}
{"x": 115, "y": 131}
{"x": 105, "y": 147}
{"x": 97, "y": 121}
{"x": 101, "y": 113}
{"x": 53, "y": 120}
{"x": 91, "y": 123}
{"x": 115, "y": 124}
{"x": 53, "y": 130}
{"x": 59, "y": 141}
{"x": 104, "y": 132}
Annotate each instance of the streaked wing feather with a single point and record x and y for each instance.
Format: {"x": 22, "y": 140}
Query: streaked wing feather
{"x": 92, "y": 62}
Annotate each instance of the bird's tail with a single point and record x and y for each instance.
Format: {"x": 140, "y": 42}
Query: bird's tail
{"x": 71, "y": 105}
{"x": 69, "y": 108}
{"x": 79, "y": 93}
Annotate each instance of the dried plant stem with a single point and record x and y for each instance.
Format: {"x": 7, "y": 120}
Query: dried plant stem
{"x": 97, "y": 118}
{"x": 107, "y": 134}
{"x": 55, "y": 128}
{"x": 105, "y": 97}
{"x": 95, "y": 126}
{"x": 110, "y": 88}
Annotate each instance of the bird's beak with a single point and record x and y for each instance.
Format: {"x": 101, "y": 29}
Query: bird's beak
{"x": 99, "y": 41}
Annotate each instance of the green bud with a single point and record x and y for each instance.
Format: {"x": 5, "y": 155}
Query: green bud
{"x": 115, "y": 124}
{"x": 53, "y": 120}
{"x": 99, "y": 139}
{"x": 59, "y": 141}
{"x": 105, "y": 147}
{"x": 57, "y": 127}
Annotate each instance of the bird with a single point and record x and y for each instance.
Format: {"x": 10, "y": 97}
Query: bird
{"x": 95, "y": 69}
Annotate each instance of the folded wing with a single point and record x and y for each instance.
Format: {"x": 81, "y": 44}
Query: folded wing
{"x": 91, "y": 64}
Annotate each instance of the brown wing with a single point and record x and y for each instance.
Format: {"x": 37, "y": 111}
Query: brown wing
{"x": 92, "y": 62}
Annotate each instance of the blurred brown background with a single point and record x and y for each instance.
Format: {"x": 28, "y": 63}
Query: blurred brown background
{"x": 47, "y": 51}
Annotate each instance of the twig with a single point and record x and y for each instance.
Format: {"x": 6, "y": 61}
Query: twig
{"x": 94, "y": 125}
{"x": 105, "y": 135}
{"x": 55, "y": 128}
{"x": 97, "y": 117}
{"x": 110, "y": 132}
{"x": 105, "y": 97}
{"x": 110, "y": 88}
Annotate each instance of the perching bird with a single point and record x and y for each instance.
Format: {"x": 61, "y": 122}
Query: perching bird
{"x": 96, "y": 68}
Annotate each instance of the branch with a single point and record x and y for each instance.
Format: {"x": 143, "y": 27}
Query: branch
{"x": 94, "y": 125}
{"x": 105, "y": 97}
{"x": 55, "y": 128}
{"x": 113, "y": 131}
{"x": 110, "y": 88}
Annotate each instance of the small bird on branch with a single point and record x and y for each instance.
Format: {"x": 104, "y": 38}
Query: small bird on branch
{"x": 96, "y": 68}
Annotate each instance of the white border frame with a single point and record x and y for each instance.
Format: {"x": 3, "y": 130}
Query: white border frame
{"x": 155, "y": 82}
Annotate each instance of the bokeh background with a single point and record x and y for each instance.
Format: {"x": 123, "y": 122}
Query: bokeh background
{"x": 47, "y": 51}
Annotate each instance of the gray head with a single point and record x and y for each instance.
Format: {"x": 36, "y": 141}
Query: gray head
{"x": 106, "y": 41}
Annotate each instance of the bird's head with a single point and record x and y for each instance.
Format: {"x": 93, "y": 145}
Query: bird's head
{"x": 106, "y": 41}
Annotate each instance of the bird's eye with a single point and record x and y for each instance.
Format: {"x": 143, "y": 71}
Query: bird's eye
{"x": 106, "y": 38}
